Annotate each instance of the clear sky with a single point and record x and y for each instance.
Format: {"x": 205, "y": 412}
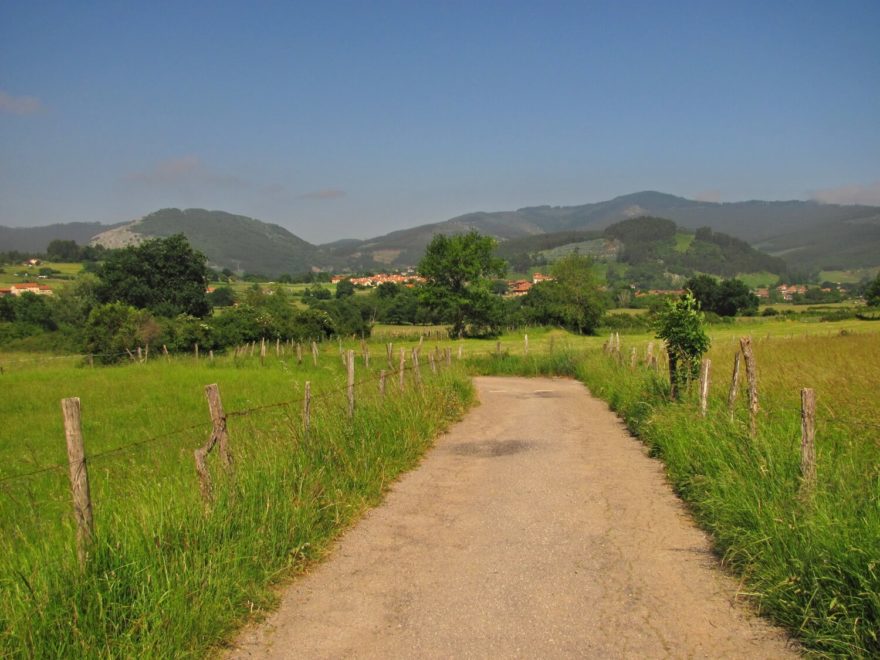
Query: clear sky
{"x": 351, "y": 119}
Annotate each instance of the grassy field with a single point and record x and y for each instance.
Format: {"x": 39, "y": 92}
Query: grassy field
{"x": 847, "y": 276}
{"x": 17, "y": 274}
{"x": 168, "y": 577}
{"x": 810, "y": 560}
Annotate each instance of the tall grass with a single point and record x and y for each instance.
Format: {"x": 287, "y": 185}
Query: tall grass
{"x": 809, "y": 560}
{"x": 168, "y": 577}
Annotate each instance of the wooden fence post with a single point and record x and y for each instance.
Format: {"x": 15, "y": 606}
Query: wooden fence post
{"x": 382, "y": 383}
{"x": 262, "y": 350}
{"x": 315, "y": 353}
{"x": 433, "y": 363}
{"x": 460, "y": 351}
{"x": 299, "y": 353}
{"x": 525, "y": 344}
{"x": 808, "y": 437}
{"x": 165, "y": 352}
{"x": 218, "y": 418}
{"x": 704, "y": 385}
{"x": 79, "y": 478}
{"x": 366, "y": 356}
{"x": 197, "y": 351}
{"x": 389, "y": 354}
{"x": 734, "y": 385}
{"x": 745, "y": 344}
{"x": 211, "y": 355}
{"x": 448, "y": 357}
{"x": 307, "y": 407}
{"x": 416, "y": 370}
{"x": 401, "y": 368}
{"x": 277, "y": 346}
{"x": 350, "y": 365}
{"x": 633, "y": 358}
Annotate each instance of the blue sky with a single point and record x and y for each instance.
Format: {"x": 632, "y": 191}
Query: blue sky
{"x": 351, "y": 119}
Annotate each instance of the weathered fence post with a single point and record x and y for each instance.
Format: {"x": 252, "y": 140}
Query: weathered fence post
{"x": 79, "y": 478}
{"x": 734, "y": 385}
{"x": 416, "y": 370}
{"x": 165, "y": 352}
{"x": 307, "y": 406}
{"x": 633, "y": 358}
{"x": 218, "y": 418}
{"x": 299, "y": 353}
{"x": 350, "y": 366}
{"x": 389, "y": 354}
{"x": 382, "y": 383}
{"x": 448, "y": 356}
{"x": 460, "y": 351}
{"x": 262, "y": 350}
{"x": 433, "y": 363}
{"x": 315, "y": 353}
{"x": 704, "y": 385}
{"x": 366, "y": 357}
{"x": 808, "y": 437}
{"x": 525, "y": 344}
{"x": 745, "y": 344}
{"x": 211, "y": 355}
{"x": 401, "y": 368}
{"x": 197, "y": 351}
{"x": 277, "y": 346}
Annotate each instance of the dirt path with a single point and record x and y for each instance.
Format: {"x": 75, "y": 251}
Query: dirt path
{"x": 537, "y": 527}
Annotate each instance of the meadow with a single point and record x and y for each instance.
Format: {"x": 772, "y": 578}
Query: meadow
{"x": 169, "y": 575}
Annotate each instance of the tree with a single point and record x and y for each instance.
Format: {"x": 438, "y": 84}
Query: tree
{"x": 164, "y": 275}
{"x": 571, "y": 300}
{"x": 344, "y": 288}
{"x": 457, "y": 270}
{"x": 222, "y": 296}
{"x": 728, "y": 298}
{"x": 872, "y": 292}
{"x": 64, "y": 251}
{"x": 680, "y": 324}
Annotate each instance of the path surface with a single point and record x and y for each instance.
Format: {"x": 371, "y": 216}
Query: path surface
{"x": 537, "y": 527}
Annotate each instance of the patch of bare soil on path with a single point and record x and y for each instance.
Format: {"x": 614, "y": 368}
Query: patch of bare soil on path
{"x": 537, "y": 527}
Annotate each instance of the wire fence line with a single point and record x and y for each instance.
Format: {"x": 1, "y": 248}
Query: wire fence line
{"x": 326, "y": 394}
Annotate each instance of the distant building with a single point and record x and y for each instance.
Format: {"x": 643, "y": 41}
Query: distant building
{"x": 537, "y": 278}
{"x": 380, "y": 278}
{"x": 518, "y": 287}
{"x": 787, "y": 292}
{"x": 27, "y": 287}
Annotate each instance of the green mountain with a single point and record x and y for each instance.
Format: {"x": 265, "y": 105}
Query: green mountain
{"x": 808, "y": 235}
{"x": 35, "y": 239}
{"x": 236, "y": 242}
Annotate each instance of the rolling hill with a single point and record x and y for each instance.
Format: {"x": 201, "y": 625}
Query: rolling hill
{"x": 230, "y": 241}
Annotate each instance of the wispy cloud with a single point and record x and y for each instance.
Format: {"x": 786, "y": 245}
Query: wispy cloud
{"x": 868, "y": 194}
{"x": 328, "y": 193}
{"x": 19, "y": 105}
{"x": 186, "y": 170}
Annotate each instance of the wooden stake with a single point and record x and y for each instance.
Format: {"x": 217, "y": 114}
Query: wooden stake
{"x": 218, "y": 418}
{"x": 382, "y": 383}
{"x": 460, "y": 350}
{"x": 366, "y": 357}
{"x": 262, "y": 350}
{"x": 704, "y": 386}
{"x": 350, "y": 384}
{"x": 299, "y": 353}
{"x": 307, "y": 407}
{"x": 389, "y": 353}
{"x": 315, "y": 354}
{"x": 165, "y": 352}
{"x": 416, "y": 371}
{"x": 526, "y": 344}
{"x": 745, "y": 345}
{"x": 197, "y": 351}
{"x": 633, "y": 358}
{"x": 448, "y": 357}
{"x": 400, "y": 368}
{"x": 734, "y": 385}
{"x": 808, "y": 437}
{"x": 277, "y": 346}
{"x": 79, "y": 478}
{"x": 211, "y": 355}
{"x": 433, "y": 363}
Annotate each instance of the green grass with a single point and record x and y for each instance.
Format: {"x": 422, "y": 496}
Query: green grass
{"x": 17, "y": 274}
{"x": 758, "y": 279}
{"x": 683, "y": 241}
{"x": 848, "y": 276}
{"x": 808, "y": 560}
{"x": 168, "y": 577}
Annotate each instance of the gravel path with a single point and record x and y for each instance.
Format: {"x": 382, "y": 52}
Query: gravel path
{"x": 537, "y": 527}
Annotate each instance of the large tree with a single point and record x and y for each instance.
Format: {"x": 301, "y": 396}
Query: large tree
{"x": 681, "y": 325}
{"x": 164, "y": 275}
{"x": 571, "y": 300}
{"x": 458, "y": 272}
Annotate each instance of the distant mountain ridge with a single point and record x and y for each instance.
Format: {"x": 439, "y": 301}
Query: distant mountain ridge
{"x": 808, "y": 235}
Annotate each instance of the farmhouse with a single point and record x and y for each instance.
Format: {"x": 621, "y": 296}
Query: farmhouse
{"x": 27, "y": 287}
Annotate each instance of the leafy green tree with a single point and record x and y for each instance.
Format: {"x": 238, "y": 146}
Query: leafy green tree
{"x": 872, "y": 292}
{"x": 344, "y": 289}
{"x": 681, "y": 325}
{"x": 572, "y": 300}
{"x": 114, "y": 328}
{"x": 457, "y": 270}
{"x": 222, "y": 296}
{"x": 64, "y": 251}
{"x": 164, "y": 275}
{"x": 727, "y": 298}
